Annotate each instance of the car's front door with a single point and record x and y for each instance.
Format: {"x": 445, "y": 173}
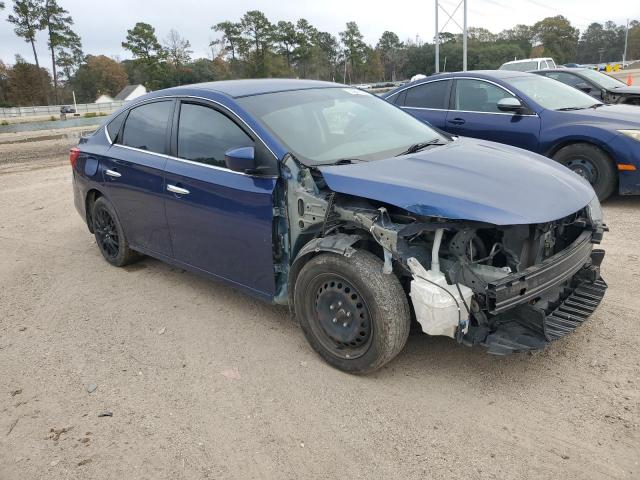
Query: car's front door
{"x": 132, "y": 171}
{"x": 427, "y": 101}
{"x": 474, "y": 113}
{"x": 221, "y": 221}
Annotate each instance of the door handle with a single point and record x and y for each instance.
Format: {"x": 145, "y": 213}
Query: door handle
{"x": 178, "y": 190}
{"x": 113, "y": 173}
{"x": 457, "y": 121}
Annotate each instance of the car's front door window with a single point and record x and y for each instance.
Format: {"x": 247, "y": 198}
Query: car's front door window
{"x": 205, "y": 134}
{"x": 478, "y": 96}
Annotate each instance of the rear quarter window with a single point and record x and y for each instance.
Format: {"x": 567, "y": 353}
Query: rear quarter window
{"x": 113, "y": 127}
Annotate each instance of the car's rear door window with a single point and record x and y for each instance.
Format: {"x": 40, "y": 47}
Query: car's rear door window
{"x": 428, "y": 95}
{"x": 478, "y": 96}
{"x": 146, "y": 127}
{"x": 205, "y": 134}
{"x": 567, "y": 78}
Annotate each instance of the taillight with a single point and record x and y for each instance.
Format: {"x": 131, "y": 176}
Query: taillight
{"x": 74, "y": 153}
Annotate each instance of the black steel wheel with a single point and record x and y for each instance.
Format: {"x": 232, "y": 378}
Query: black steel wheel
{"x": 353, "y": 315}
{"x": 342, "y": 320}
{"x": 110, "y": 235}
{"x": 591, "y": 163}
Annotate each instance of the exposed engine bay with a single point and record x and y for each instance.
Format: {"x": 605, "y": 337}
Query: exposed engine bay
{"x": 510, "y": 288}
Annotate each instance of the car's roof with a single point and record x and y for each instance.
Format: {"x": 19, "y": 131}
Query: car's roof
{"x": 537, "y": 59}
{"x": 489, "y": 74}
{"x": 243, "y": 88}
{"x": 563, "y": 69}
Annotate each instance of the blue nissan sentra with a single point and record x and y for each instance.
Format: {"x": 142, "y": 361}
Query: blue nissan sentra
{"x": 353, "y": 213}
{"x": 597, "y": 141}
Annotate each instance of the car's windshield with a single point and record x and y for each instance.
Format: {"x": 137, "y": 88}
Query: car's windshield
{"x": 325, "y": 125}
{"x": 601, "y": 79}
{"x": 551, "y": 94}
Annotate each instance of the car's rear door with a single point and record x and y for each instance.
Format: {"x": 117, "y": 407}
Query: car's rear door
{"x": 427, "y": 101}
{"x": 221, "y": 221}
{"x": 133, "y": 175}
{"x": 474, "y": 113}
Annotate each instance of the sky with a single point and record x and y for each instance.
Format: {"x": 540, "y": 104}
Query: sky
{"x": 103, "y": 25}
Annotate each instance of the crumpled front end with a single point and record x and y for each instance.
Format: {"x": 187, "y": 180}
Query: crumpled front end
{"x": 510, "y": 288}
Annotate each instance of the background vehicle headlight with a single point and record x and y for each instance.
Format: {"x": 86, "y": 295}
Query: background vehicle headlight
{"x": 594, "y": 211}
{"x": 635, "y": 134}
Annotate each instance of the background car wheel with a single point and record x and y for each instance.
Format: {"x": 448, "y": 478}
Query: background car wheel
{"x": 353, "y": 315}
{"x": 591, "y": 163}
{"x": 110, "y": 235}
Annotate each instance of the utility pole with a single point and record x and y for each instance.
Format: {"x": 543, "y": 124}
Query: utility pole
{"x": 626, "y": 40}
{"x": 464, "y": 39}
{"x": 463, "y": 28}
{"x": 437, "y": 41}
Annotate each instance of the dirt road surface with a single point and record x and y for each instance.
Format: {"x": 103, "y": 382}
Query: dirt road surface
{"x": 203, "y": 382}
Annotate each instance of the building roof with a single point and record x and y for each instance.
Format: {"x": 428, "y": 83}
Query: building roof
{"x": 126, "y": 91}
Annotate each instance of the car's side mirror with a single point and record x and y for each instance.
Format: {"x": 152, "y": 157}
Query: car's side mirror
{"x": 585, "y": 87}
{"x": 240, "y": 159}
{"x": 510, "y": 104}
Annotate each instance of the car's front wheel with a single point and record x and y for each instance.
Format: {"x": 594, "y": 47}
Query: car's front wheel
{"x": 592, "y": 164}
{"x": 353, "y": 315}
{"x": 109, "y": 234}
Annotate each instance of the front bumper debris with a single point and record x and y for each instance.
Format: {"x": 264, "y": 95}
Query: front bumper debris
{"x": 533, "y": 325}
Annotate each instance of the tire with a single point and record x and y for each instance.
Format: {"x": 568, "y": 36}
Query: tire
{"x": 110, "y": 236}
{"x": 591, "y": 163}
{"x": 372, "y": 322}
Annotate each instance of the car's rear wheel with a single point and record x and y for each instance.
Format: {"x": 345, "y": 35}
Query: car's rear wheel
{"x": 353, "y": 315}
{"x": 109, "y": 234}
{"x": 592, "y": 164}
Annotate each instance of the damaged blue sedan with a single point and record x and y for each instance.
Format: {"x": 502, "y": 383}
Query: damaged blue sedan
{"x": 350, "y": 211}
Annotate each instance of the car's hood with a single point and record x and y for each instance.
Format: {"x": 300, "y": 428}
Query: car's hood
{"x": 630, "y": 90}
{"x": 468, "y": 179}
{"x": 609, "y": 115}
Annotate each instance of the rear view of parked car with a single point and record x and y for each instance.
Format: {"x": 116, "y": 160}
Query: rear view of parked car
{"x": 597, "y": 84}
{"x": 597, "y": 141}
{"x": 348, "y": 210}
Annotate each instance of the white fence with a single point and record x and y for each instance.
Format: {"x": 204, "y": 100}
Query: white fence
{"x": 55, "y": 109}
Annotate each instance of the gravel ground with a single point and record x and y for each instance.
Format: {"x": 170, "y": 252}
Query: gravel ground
{"x": 201, "y": 381}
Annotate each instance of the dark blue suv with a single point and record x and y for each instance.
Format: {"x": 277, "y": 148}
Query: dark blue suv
{"x": 352, "y": 212}
{"x": 599, "y": 142}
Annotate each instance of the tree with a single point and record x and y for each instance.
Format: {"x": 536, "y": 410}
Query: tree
{"x": 178, "y": 49}
{"x": 392, "y": 52}
{"x": 27, "y": 19}
{"x": 99, "y": 75}
{"x": 354, "y": 46}
{"x": 57, "y": 21}
{"x": 69, "y": 55}
{"x": 27, "y": 84}
{"x": 306, "y": 37}
{"x": 259, "y": 34}
{"x": 142, "y": 42}
{"x": 559, "y": 38}
{"x": 231, "y": 37}
{"x": 287, "y": 39}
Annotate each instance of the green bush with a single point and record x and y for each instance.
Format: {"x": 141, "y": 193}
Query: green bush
{"x": 4, "y": 122}
{"x": 90, "y": 115}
